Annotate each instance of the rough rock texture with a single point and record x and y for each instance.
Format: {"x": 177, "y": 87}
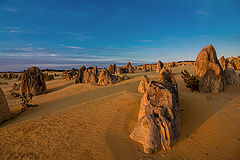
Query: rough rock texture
{"x": 33, "y": 82}
{"x": 106, "y": 78}
{"x": 209, "y": 70}
{"x": 144, "y": 68}
{"x": 119, "y": 70}
{"x": 231, "y": 78}
{"x": 159, "y": 118}
{"x": 80, "y": 76}
{"x": 223, "y": 63}
{"x": 90, "y": 77}
{"x": 235, "y": 62}
{"x": 159, "y": 66}
{"x": 71, "y": 74}
{"x": 173, "y": 64}
{"x": 16, "y": 87}
{"x": 95, "y": 70}
{"x": 48, "y": 77}
{"x": 112, "y": 68}
{"x": 129, "y": 68}
{"x": 143, "y": 85}
{"x": 166, "y": 78}
{"x": 150, "y": 67}
{"x": 4, "y": 109}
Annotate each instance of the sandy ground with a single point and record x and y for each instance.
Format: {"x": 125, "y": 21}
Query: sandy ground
{"x": 94, "y": 122}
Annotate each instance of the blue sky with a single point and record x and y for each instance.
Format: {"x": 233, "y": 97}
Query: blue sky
{"x": 69, "y": 33}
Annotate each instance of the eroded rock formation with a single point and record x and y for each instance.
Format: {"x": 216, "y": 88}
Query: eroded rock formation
{"x": 209, "y": 70}
{"x": 159, "y": 66}
{"x": 4, "y": 109}
{"x": 33, "y": 82}
{"x": 231, "y": 78}
{"x": 158, "y": 119}
{"x": 143, "y": 85}
{"x": 80, "y": 75}
{"x": 106, "y": 78}
{"x": 129, "y": 67}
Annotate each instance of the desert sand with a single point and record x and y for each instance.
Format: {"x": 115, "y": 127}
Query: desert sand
{"x": 84, "y": 121}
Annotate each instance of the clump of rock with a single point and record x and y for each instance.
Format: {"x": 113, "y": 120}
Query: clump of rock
{"x": 5, "y": 113}
{"x": 16, "y": 87}
{"x": 230, "y": 77}
{"x": 90, "y": 77}
{"x": 33, "y": 82}
{"x": 112, "y": 68}
{"x": 158, "y": 119}
{"x": 71, "y": 74}
{"x": 48, "y": 77}
{"x": 143, "y": 85}
{"x": 106, "y": 78}
{"x": 159, "y": 66}
{"x": 129, "y": 68}
{"x": 144, "y": 68}
{"x": 80, "y": 75}
{"x": 209, "y": 70}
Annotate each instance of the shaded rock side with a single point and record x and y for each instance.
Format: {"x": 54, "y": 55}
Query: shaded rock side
{"x": 159, "y": 66}
{"x": 4, "y": 109}
{"x": 231, "y": 78}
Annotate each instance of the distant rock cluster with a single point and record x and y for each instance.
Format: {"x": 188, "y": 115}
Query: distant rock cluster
{"x": 159, "y": 115}
{"x": 103, "y": 76}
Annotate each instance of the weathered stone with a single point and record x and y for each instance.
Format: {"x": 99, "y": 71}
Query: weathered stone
{"x": 209, "y": 70}
{"x": 16, "y": 87}
{"x": 159, "y": 66}
{"x": 90, "y": 77}
{"x": 159, "y": 118}
{"x": 71, "y": 74}
{"x": 95, "y": 70}
{"x": 106, "y": 78}
{"x": 5, "y": 113}
{"x": 144, "y": 68}
{"x": 33, "y": 82}
{"x": 223, "y": 63}
{"x": 235, "y": 62}
{"x": 129, "y": 67}
{"x": 167, "y": 79}
{"x": 143, "y": 85}
{"x": 111, "y": 69}
{"x": 48, "y": 77}
{"x": 80, "y": 75}
{"x": 173, "y": 64}
{"x": 119, "y": 70}
{"x": 231, "y": 78}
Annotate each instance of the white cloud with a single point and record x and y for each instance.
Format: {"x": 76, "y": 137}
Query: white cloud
{"x": 53, "y": 55}
{"x": 10, "y": 9}
{"x": 144, "y": 41}
{"x": 71, "y": 47}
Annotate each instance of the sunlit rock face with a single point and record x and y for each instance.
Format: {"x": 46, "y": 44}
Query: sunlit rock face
{"x": 158, "y": 119}
{"x": 209, "y": 70}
